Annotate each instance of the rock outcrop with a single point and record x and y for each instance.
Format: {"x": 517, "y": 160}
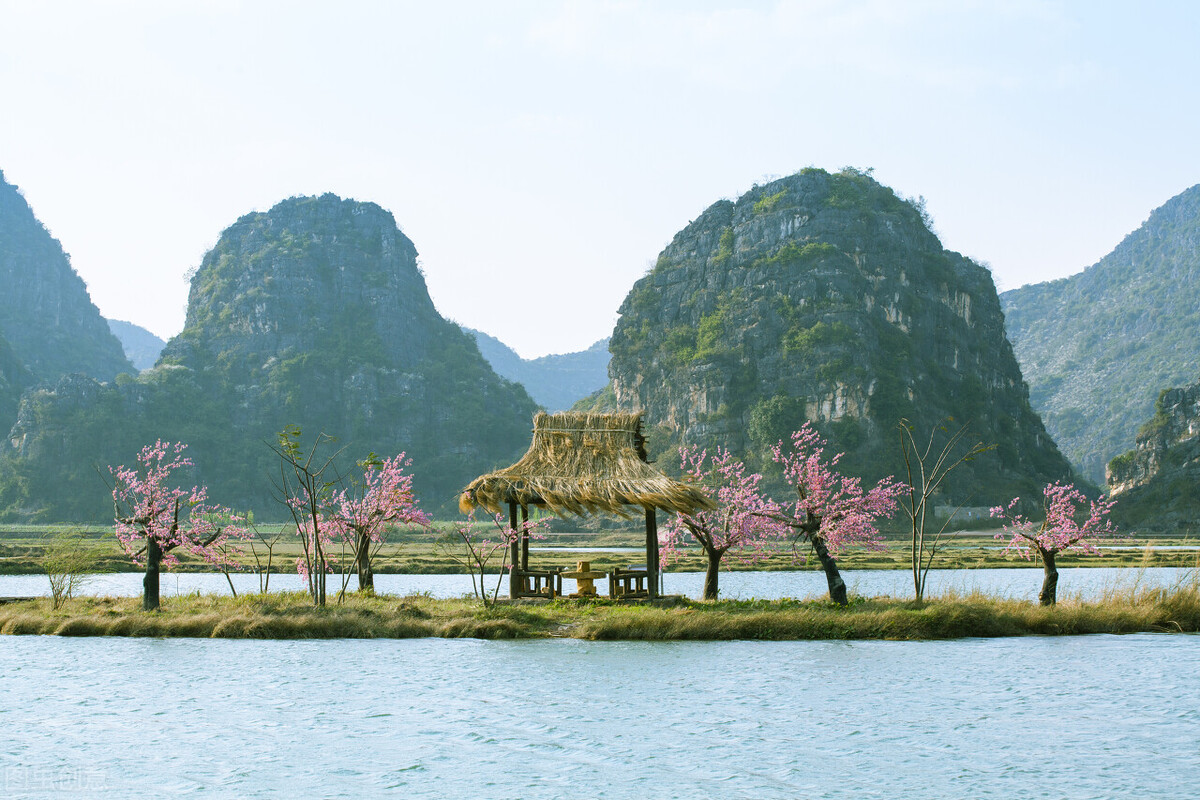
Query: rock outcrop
{"x": 314, "y": 314}
{"x": 1157, "y": 484}
{"x": 1096, "y": 347}
{"x": 14, "y": 378}
{"x": 825, "y": 297}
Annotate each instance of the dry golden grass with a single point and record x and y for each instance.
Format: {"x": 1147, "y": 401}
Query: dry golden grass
{"x": 1128, "y": 609}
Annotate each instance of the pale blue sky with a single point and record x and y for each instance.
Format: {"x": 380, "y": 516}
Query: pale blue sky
{"x": 540, "y": 154}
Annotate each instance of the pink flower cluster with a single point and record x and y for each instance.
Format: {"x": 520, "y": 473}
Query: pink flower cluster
{"x": 149, "y": 508}
{"x": 842, "y": 512}
{"x": 358, "y": 516}
{"x": 1072, "y": 522}
{"x": 743, "y": 519}
{"x": 385, "y": 497}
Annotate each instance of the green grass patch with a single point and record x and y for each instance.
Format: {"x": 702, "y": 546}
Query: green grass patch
{"x": 1127, "y": 609}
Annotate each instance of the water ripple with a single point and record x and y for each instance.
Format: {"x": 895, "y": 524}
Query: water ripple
{"x": 1075, "y": 717}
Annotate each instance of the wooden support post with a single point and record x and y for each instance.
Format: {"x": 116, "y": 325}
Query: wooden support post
{"x": 524, "y": 537}
{"x": 651, "y": 551}
{"x": 514, "y": 580}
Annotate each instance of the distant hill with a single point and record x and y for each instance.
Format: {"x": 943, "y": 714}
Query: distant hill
{"x": 46, "y": 314}
{"x": 555, "y": 382}
{"x": 826, "y": 298}
{"x": 312, "y": 314}
{"x": 141, "y": 346}
{"x": 1097, "y": 347}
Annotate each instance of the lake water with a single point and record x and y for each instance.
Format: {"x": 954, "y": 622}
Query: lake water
{"x": 1086, "y": 582}
{"x": 1062, "y": 717}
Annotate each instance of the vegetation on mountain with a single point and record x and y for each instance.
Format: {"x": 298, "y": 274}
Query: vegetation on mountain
{"x": 314, "y": 314}
{"x": 14, "y": 378}
{"x": 826, "y": 298}
{"x": 1097, "y": 347}
{"x": 1157, "y": 483}
{"x": 46, "y": 315}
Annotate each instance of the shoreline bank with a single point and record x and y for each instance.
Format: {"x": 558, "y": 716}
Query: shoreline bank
{"x": 292, "y": 616}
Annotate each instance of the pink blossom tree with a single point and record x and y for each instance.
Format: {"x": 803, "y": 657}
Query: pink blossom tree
{"x": 153, "y": 518}
{"x": 1071, "y": 522}
{"x": 361, "y": 513}
{"x": 831, "y": 511}
{"x": 744, "y": 520}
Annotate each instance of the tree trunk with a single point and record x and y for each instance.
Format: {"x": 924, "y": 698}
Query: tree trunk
{"x": 1049, "y": 594}
{"x": 366, "y": 578}
{"x": 711, "y": 589}
{"x": 154, "y": 556}
{"x": 837, "y": 586}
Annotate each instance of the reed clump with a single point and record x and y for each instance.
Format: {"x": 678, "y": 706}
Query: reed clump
{"x": 1128, "y": 609}
{"x": 273, "y": 616}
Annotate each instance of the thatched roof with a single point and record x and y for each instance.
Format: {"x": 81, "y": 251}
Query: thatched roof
{"x": 584, "y": 463}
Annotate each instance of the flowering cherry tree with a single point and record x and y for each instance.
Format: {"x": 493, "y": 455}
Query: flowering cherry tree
{"x": 153, "y": 518}
{"x": 831, "y": 510}
{"x": 743, "y": 521}
{"x": 360, "y": 514}
{"x": 1072, "y": 522}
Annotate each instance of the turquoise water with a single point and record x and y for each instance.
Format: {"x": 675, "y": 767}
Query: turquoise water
{"x": 1070, "y": 717}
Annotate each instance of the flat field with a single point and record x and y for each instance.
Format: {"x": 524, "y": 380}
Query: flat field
{"x": 436, "y": 552}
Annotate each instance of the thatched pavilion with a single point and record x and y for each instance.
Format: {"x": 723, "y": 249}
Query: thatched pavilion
{"x": 583, "y": 464}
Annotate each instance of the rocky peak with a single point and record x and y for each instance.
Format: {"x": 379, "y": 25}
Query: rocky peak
{"x": 309, "y": 270}
{"x": 824, "y": 297}
{"x": 45, "y": 311}
{"x": 312, "y": 314}
{"x": 557, "y": 381}
{"x": 1167, "y": 443}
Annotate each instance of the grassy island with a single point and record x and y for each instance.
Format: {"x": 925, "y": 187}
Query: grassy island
{"x": 292, "y": 616}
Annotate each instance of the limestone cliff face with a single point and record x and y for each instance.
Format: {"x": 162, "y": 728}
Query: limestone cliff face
{"x": 317, "y": 309}
{"x": 45, "y": 311}
{"x": 1155, "y": 484}
{"x": 309, "y": 271}
{"x": 824, "y": 297}
{"x": 314, "y": 314}
{"x": 14, "y": 378}
{"x": 1175, "y": 423}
